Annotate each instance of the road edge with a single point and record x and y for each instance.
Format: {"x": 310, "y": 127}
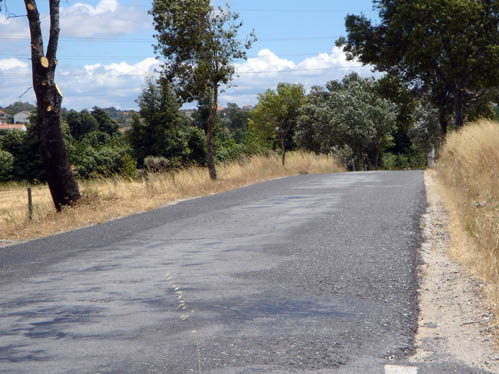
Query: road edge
{"x": 452, "y": 315}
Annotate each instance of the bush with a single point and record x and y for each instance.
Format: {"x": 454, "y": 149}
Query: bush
{"x": 395, "y": 162}
{"x": 6, "y": 166}
{"x": 128, "y": 166}
{"x": 91, "y": 163}
{"x": 160, "y": 164}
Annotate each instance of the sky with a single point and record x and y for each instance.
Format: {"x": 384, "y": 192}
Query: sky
{"x": 106, "y": 49}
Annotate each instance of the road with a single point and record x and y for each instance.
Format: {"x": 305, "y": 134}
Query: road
{"x": 309, "y": 274}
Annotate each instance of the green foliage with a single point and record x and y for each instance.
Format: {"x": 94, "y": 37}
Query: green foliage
{"x": 395, "y": 162}
{"x": 349, "y": 119}
{"x": 24, "y": 147}
{"x": 196, "y": 143}
{"x": 19, "y": 106}
{"x": 426, "y": 131}
{"x": 6, "y": 166}
{"x": 90, "y": 162}
{"x": 80, "y": 124}
{"x": 160, "y": 164}
{"x": 275, "y": 117}
{"x": 106, "y": 124}
{"x": 128, "y": 167}
{"x": 448, "y": 47}
{"x": 236, "y": 120}
{"x": 161, "y": 130}
{"x": 198, "y": 44}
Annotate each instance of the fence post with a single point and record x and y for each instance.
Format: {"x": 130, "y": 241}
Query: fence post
{"x": 431, "y": 156}
{"x": 30, "y": 204}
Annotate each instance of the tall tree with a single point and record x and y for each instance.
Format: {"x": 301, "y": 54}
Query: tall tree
{"x": 276, "y": 114}
{"x": 62, "y": 185}
{"x": 161, "y": 129}
{"x": 199, "y": 44}
{"x": 449, "y": 47}
{"x": 80, "y": 124}
{"x": 349, "y": 118}
{"x": 106, "y": 123}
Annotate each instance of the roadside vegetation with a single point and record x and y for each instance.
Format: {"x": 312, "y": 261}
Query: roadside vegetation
{"x": 428, "y": 88}
{"x": 468, "y": 172}
{"x": 106, "y": 198}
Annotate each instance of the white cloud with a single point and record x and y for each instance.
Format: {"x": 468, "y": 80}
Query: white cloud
{"x": 14, "y": 33}
{"x": 103, "y": 6}
{"x": 15, "y": 76}
{"x": 266, "y": 62}
{"x": 116, "y": 84}
{"x": 267, "y": 69}
{"x": 334, "y": 60}
{"x": 120, "y": 83}
{"x": 107, "y": 18}
{"x": 11, "y": 64}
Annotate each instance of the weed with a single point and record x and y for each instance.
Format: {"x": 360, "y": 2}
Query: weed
{"x": 468, "y": 176}
{"x": 108, "y": 198}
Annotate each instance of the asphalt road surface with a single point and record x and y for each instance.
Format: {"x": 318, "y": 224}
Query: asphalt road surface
{"x": 309, "y": 274}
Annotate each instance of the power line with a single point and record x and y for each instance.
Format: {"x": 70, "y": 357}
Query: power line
{"x": 143, "y": 40}
{"x": 275, "y": 10}
{"x": 92, "y": 57}
{"x": 237, "y": 73}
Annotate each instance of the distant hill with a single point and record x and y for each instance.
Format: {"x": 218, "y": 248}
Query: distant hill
{"x": 17, "y": 107}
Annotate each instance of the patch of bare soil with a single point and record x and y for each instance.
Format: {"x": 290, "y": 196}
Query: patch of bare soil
{"x": 453, "y": 322}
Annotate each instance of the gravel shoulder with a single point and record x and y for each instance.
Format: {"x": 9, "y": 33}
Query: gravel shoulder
{"x": 453, "y": 322}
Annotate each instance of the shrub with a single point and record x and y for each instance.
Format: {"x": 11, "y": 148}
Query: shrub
{"x": 6, "y": 166}
{"x": 160, "y": 164}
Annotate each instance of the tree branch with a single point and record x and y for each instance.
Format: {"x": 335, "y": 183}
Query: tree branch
{"x": 35, "y": 30}
{"x": 54, "y": 32}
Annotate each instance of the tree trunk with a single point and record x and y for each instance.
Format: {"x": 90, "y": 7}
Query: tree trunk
{"x": 62, "y": 185}
{"x": 443, "y": 121}
{"x": 209, "y": 135}
{"x": 283, "y": 147}
{"x": 458, "y": 104}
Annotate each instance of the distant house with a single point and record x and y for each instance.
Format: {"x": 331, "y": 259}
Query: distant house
{"x": 3, "y": 116}
{"x": 9, "y": 126}
{"x": 247, "y": 108}
{"x": 128, "y": 113}
{"x": 22, "y": 117}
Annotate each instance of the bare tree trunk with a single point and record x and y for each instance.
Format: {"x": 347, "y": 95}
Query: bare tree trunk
{"x": 62, "y": 185}
{"x": 458, "y": 103}
{"x": 209, "y": 135}
{"x": 283, "y": 147}
{"x": 443, "y": 122}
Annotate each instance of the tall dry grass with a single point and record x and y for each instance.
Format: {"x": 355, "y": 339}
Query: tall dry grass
{"x": 106, "y": 199}
{"x": 468, "y": 173}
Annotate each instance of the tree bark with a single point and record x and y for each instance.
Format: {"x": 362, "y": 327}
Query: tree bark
{"x": 458, "y": 108}
{"x": 209, "y": 135}
{"x": 62, "y": 185}
{"x": 443, "y": 121}
{"x": 283, "y": 147}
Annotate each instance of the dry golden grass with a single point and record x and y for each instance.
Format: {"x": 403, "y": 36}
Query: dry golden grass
{"x": 106, "y": 199}
{"x": 468, "y": 174}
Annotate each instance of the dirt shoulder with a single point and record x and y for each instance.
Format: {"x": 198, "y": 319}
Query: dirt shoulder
{"x": 453, "y": 322}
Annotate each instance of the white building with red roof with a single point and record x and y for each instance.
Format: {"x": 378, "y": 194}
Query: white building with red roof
{"x": 9, "y": 126}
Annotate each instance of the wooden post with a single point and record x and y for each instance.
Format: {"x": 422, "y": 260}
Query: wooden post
{"x": 30, "y": 204}
{"x": 431, "y": 157}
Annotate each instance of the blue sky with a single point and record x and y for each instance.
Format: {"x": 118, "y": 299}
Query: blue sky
{"x": 105, "y": 50}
